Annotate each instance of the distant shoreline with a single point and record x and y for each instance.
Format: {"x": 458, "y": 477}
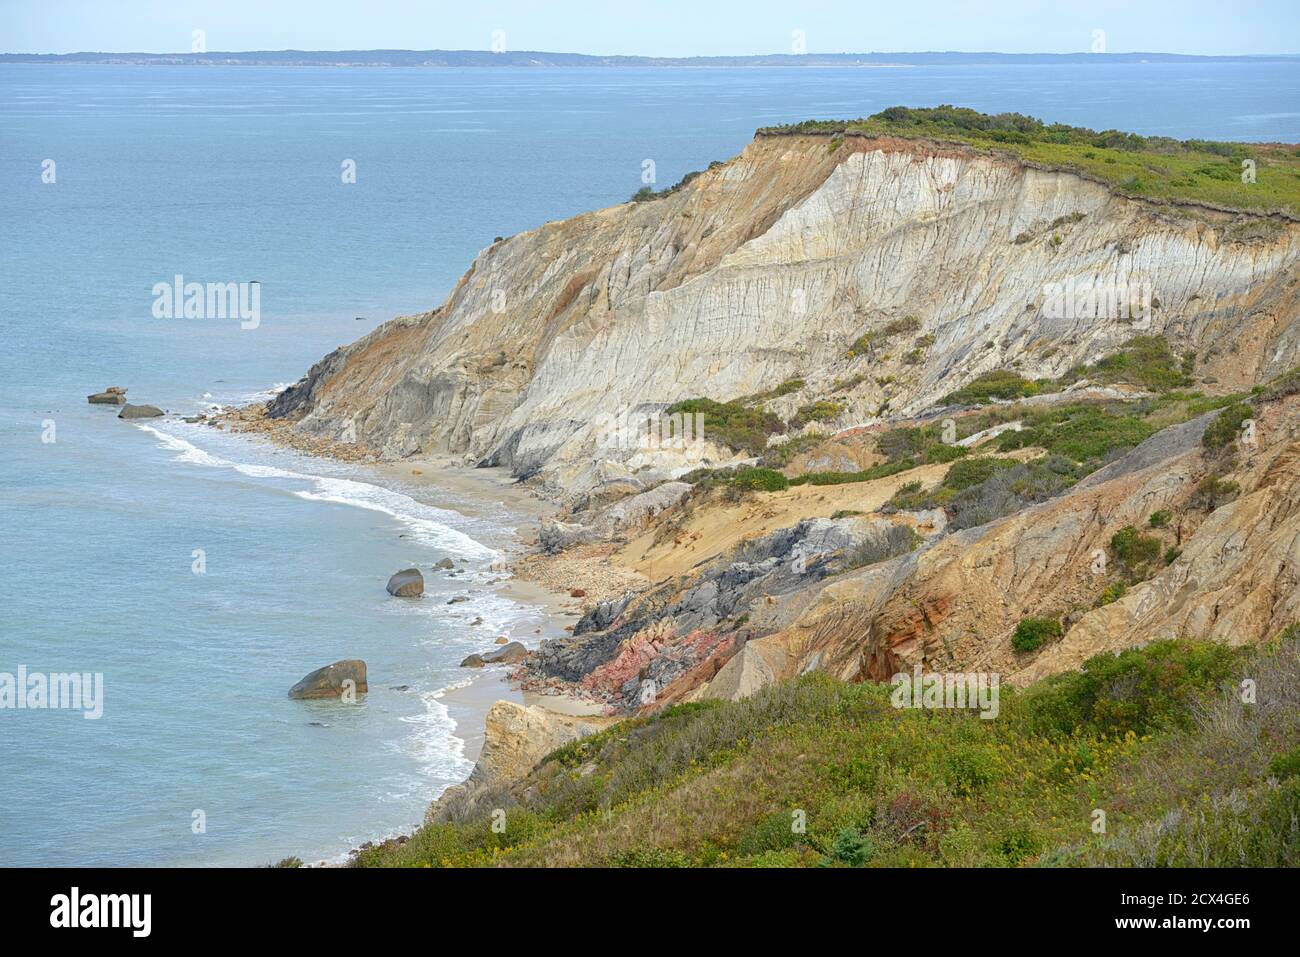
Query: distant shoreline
{"x": 433, "y": 59}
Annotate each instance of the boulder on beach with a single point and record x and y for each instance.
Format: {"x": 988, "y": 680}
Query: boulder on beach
{"x": 445, "y": 563}
{"x": 408, "y": 583}
{"x": 502, "y": 639}
{"x": 332, "y": 681}
{"x": 113, "y": 395}
{"x": 139, "y": 412}
{"x": 509, "y": 654}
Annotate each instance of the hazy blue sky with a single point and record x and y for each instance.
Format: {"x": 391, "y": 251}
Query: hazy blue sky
{"x": 653, "y": 27}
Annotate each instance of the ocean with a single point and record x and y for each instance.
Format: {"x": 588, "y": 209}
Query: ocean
{"x": 114, "y": 179}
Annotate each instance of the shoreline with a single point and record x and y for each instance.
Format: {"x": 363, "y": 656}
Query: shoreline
{"x": 530, "y": 578}
{"x": 472, "y": 492}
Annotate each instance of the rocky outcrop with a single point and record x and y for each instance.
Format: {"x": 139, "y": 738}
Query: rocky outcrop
{"x": 333, "y": 681}
{"x": 408, "y": 583}
{"x": 113, "y": 395}
{"x": 621, "y": 517}
{"x": 140, "y": 412}
{"x": 515, "y": 739}
{"x": 765, "y": 269}
{"x": 621, "y": 651}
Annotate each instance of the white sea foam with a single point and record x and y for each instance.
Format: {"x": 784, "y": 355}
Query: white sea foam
{"x": 427, "y": 523}
{"x": 432, "y": 745}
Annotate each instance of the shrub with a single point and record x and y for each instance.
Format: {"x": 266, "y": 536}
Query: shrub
{"x": 1212, "y": 491}
{"x": 1145, "y": 361}
{"x": 945, "y": 453}
{"x": 1138, "y": 690}
{"x": 1285, "y": 765}
{"x": 760, "y": 480}
{"x": 737, "y": 425}
{"x": 1083, "y": 432}
{"x": 967, "y": 472}
{"x": 818, "y": 411}
{"x": 1111, "y": 593}
{"x": 648, "y": 857}
{"x": 883, "y": 470}
{"x": 1133, "y": 550}
{"x": 772, "y": 833}
{"x": 1008, "y": 490}
{"x": 1032, "y": 633}
{"x": 1226, "y": 426}
{"x": 1160, "y": 519}
{"x": 1002, "y": 384}
{"x": 851, "y": 847}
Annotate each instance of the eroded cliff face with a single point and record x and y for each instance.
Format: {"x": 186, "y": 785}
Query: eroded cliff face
{"x": 765, "y": 269}
{"x": 769, "y": 268}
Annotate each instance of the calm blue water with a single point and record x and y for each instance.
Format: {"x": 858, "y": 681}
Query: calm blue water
{"x": 233, "y": 174}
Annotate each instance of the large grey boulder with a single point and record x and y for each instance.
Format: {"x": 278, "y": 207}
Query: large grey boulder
{"x": 332, "y": 681}
{"x": 408, "y": 583}
{"x": 508, "y": 654}
{"x": 139, "y": 412}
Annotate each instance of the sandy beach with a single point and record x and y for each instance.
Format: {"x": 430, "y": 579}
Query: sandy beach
{"x": 477, "y": 491}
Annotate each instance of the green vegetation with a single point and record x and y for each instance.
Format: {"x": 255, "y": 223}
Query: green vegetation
{"x": 1286, "y": 765}
{"x": 647, "y": 193}
{"x": 1111, "y": 593}
{"x": 1001, "y": 384}
{"x": 1135, "y": 552}
{"x": 759, "y": 480}
{"x": 1145, "y": 361}
{"x": 1212, "y": 491}
{"x": 1153, "y": 167}
{"x": 866, "y": 343}
{"x": 1158, "y": 737}
{"x": 883, "y": 470}
{"x": 985, "y": 488}
{"x": 1226, "y": 427}
{"x": 818, "y": 411}
{"x": 1084, "y": 432}
{"x": 1160, "y": 518}
{"x": 1032, "y": 633}
{"x": 969, "y": 472}
{"x": 739, "y": 425}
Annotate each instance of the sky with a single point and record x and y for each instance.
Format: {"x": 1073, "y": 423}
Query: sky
{"x": 653, "y": 27}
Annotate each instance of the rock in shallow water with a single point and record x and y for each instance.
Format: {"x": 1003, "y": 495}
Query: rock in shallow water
{"x": 508, "y": 654}
{"x": 332, "y": 681}
{"x": 139, "y": 412}
{"x": 113, "y": 395}
{"x": 408, "y": 583}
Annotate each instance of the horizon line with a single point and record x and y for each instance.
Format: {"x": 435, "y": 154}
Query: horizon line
{"x": 599, "y": 58}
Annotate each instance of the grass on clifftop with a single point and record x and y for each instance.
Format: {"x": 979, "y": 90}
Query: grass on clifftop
{"x": 1153, "y": 167}
{"x": 816, "y": 772}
